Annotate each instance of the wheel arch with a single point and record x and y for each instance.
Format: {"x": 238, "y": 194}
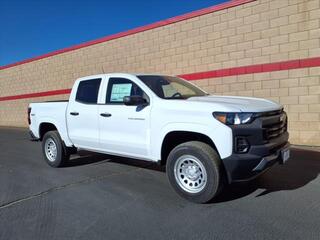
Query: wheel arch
{"x": 46, "y": 124}
{"x": 45, "y": 127}
{"x": 176, "y": 137}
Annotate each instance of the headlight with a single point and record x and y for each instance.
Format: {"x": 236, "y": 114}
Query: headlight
{"x": 233, "y": 118}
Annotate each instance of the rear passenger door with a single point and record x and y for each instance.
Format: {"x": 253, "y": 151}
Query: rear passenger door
{"x": 124, "y": 129}
{"x": 82, "y": 115}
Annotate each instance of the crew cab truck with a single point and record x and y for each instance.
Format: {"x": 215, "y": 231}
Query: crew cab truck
{"x": 204, "y": 140}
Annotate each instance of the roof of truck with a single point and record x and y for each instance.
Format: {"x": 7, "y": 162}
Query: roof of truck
{"x": 119, "y": 74}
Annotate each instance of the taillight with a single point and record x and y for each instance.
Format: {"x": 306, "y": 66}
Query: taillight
{"x": 29, "y": 112}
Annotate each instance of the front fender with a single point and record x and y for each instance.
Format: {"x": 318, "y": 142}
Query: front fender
{"x": 220, "y": 135}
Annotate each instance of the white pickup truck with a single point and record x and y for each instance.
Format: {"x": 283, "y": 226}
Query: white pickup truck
{"x": 204, "y": 140}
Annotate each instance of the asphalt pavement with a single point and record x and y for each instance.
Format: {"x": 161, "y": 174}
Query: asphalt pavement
{"x": 103, "y": 197}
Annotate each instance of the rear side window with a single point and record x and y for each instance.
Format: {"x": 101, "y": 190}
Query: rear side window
{"x": 88, "y": 91}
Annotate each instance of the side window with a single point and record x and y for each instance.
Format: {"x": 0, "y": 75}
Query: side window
{"x": 88, "y": 91}
{"x": 118, "y": 88}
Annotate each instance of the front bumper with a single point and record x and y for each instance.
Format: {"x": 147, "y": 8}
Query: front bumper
{"x": 244, "y": 167}
{"x": 262, "y": 154}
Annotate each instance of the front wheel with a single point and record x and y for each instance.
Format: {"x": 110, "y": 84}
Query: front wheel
{"x": 54, "y": 151}
{"x": 194, "y": 171}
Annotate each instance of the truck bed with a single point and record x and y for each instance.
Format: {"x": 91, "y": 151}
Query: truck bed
{"x": 52, "y": 112}
{"x": 57, "y": 101}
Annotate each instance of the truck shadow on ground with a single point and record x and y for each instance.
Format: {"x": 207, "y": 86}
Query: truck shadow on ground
{"x": 302, "y": 168}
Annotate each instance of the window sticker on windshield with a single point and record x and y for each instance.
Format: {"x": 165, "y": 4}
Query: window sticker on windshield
{"x": 119, "y": 91}
{"x": 168, "y": 90}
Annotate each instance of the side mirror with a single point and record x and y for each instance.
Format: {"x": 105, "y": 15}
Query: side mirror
{"x": 134, "y": 100}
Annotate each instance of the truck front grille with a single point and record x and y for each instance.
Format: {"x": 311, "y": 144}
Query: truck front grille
{"x": 274, "y": 124}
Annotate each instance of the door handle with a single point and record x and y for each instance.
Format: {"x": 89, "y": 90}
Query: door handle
{"x": 105, "y": 114}
{"x": 74, "y": 113}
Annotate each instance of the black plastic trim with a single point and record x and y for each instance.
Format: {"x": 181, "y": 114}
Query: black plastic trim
{"x": 263, "y": 152}
{"x": 33, "y": 137}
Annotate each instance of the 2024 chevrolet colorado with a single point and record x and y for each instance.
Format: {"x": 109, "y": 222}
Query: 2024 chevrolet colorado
{"x": 204, "y": 140}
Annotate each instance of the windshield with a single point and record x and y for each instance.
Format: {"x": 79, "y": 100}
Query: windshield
{"x": 168, "y": 87}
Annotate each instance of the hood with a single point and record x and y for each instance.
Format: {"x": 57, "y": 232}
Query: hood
{"x": 244, "y": 104}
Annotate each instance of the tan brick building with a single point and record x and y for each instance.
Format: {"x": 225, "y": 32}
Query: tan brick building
{"x": 261, "y": 48}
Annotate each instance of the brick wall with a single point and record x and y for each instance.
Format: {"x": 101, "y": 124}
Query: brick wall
{"x": 256, "y": 32}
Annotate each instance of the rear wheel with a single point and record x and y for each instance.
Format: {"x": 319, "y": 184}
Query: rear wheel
{"x": 54, "y": 151}
{"x": 194, "y": 171}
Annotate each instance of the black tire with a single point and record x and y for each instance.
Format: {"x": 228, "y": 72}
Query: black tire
{"x": 209, "y": 159}
{"x": 62, "y": 153}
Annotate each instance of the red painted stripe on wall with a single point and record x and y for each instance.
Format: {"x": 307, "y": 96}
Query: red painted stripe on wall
{"x": 35, "y": 95}
{"x": 258, "y": 68}
{"x": 162, "y": 23}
